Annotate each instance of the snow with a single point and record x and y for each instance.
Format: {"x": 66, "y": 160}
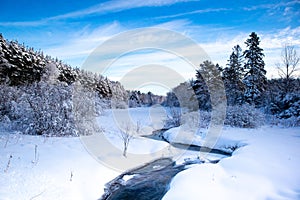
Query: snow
{"x": 128, "y": 177}
{"x": 64, "y": 168}
{"x": 187, "y": 136}
{"x": 49, "y": 177}
{"x": 264, "y": 167}
{"x": 149, "y": 118}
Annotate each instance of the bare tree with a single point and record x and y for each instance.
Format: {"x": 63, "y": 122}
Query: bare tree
{"x": 288, "y": 67}
{"x": 126, "y": 136}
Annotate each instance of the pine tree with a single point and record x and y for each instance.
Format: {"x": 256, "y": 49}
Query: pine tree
{"x": 233, "y": 77}
{"x": 255, "y": 79}
{"x": 208, "y": 83}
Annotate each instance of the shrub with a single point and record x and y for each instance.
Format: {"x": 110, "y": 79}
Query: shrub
{"x": 244, "y": 116}
{"x": 49, "y": 109}
{"x": 200, "y": 119}
{"x": 173, "y": 118}
{"x": 289, "y": 122}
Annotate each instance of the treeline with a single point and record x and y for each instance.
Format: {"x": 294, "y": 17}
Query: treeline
{"x": 245, "y": 83}
{"x": 41, "y": 95}
{"x": 20, "y": 65}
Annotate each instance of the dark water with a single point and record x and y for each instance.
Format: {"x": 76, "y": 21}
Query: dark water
{"x": 151, "y": 182}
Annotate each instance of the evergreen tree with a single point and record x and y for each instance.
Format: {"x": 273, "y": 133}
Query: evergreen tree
{"x": 208, "y": 83}
{"x": 255, "y": 79}
{"x": 233, "y": 77}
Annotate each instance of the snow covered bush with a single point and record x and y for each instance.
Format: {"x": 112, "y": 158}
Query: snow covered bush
{"x": 244, "y": 116}
{"x": 196, "y": 119}
{"x": 293, "y": 121}
{"x": 290, "y": 105}
{"x": 173, "y": 118}
{"x": 52, "y": 109}
{"x": 84, "y": 109}
{"x": 7, "y": 95}
{"x": 48, "y": 109}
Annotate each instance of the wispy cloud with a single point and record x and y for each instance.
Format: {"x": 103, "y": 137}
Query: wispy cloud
{"x": 116, "y": 6}
{"x": 99, "y": 9}
{"x": 272, "y": 6}
{"x": 83, "y": 43}
{"x": 79, "y": 45}
{"x": 208, "y": 10}
{"x": 24, "y": 23}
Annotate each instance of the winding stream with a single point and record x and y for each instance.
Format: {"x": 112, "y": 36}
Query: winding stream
{"x": 151, "y": 181}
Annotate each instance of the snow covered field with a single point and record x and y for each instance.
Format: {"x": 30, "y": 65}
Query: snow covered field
{"x": 61, "y": 168}
{"x": 49, "y": 176}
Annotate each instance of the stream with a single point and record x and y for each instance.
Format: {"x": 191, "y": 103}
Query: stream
{"x": 151, "y": 181}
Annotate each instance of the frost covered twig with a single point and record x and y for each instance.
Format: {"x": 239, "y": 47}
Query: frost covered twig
{"x": 71, "y": 176}
{"x": 8, "y": 164}
{"x": 36, "y": 156}
{"x": 35, "y": 196}
{"x": 6, "y": 142}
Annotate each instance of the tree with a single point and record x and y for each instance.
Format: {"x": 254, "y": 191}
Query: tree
{"x": 254, "y": 79}
{"x": 185, "y": 95}
{"x": 172, "y": 100}
{"x": 288, "y": 67}
{"x": 233, "y": 77}
{"x": 208, "y": 83}
{"x": 126, "y": 136}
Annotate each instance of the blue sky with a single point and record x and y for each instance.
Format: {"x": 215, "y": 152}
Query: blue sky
{"x": 71, "y": 30}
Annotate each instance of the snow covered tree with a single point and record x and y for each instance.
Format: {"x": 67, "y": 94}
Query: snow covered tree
{"x": 233, "y": 77}
{"x": 85, "y": 109}
{"x": 288, "y": 67}
{"x": 208, "y": 82}
{"x": 171, "y": 100}
{"x": 185, "y": 95}
{"x": 254, "y": 79}
{"x": 51, "y": 73}
{"x": 134, "y": 99}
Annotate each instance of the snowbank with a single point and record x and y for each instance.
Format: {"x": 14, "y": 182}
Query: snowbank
{"x": 267, "y": 168}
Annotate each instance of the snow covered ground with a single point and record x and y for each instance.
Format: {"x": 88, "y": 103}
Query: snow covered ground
{"x": 62, "y": 170}
{"x": 266, "y": 168}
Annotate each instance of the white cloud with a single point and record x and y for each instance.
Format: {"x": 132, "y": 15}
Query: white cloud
{"x": 24, "y": 23}
{"x": 272, "y": 6}
{"x": 208, "y": 10}
{"x": 117, "y": 5}
{"x": 78, "y": 46}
